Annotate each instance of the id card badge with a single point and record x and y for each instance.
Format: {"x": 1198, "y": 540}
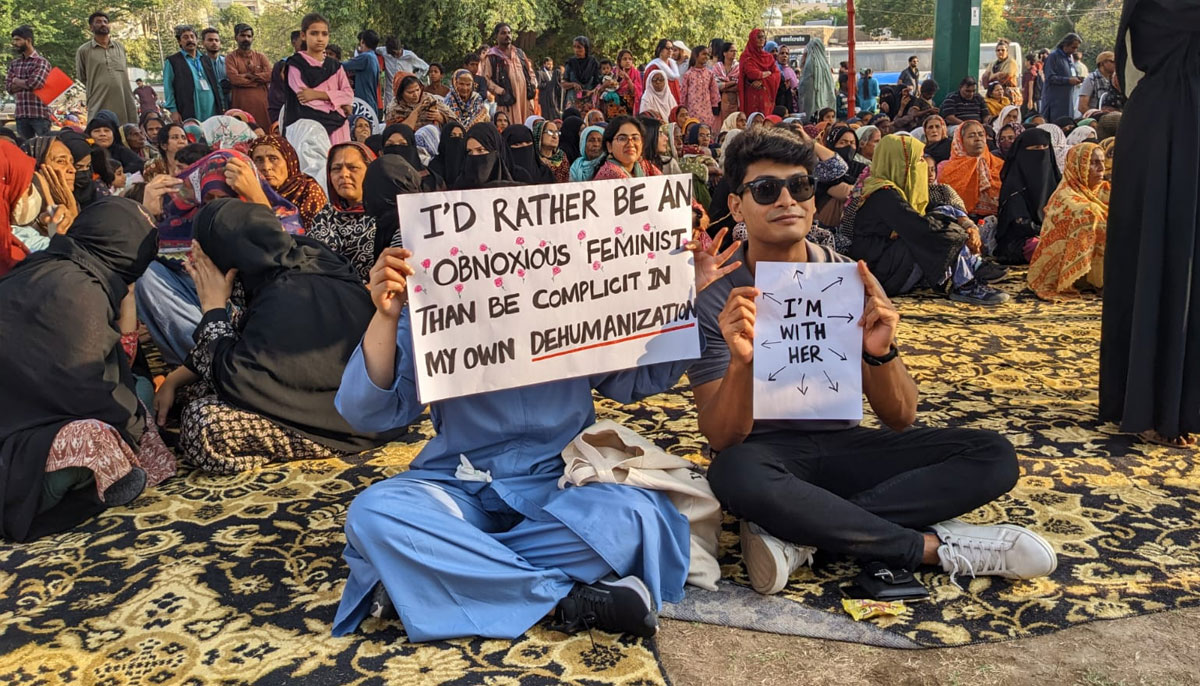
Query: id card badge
{"x": 204, "y": 84}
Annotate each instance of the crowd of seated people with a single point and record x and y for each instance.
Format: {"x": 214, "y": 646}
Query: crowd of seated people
{"x": 274, "y": 291}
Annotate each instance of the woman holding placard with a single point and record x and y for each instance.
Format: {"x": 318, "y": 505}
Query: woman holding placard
{"x": 476, "y": 539}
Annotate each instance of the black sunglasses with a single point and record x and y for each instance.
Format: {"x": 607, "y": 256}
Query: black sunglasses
{"x": 766, "y": 191}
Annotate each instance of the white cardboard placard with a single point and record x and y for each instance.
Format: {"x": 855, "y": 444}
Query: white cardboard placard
{"x": 527, "y": 284}
{"x": 807, "y": 341}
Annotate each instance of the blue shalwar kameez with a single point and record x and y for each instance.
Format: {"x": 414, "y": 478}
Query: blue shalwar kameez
{"x": 476, "y": 539}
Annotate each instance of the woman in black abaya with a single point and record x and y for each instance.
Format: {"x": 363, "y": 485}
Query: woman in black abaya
{"x": 527, "y": 164}
{"x": 1028, "y": 179}
{"x": 487, "y": 160}
{"x": 399, "y": 139}
{"x": 272, "y": 372}
{"x": 73, "y": 437}
{"x": 1150, "y": 342}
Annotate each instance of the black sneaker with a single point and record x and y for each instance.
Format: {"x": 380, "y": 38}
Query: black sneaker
{"x": 126, "y": 489}
{"x": 620, "y": 606}
{"x": 990, "y": 272}
{"x": 381, "y": 604}
{"x": 976, "y": 292}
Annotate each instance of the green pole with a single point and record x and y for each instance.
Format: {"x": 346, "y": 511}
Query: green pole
{"x": 955, "y": 43}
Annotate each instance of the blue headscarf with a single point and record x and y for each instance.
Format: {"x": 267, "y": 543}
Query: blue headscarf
{"x": 583, "y": 169}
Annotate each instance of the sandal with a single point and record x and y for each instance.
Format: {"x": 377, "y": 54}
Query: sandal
{"x": 1183, "y": 441}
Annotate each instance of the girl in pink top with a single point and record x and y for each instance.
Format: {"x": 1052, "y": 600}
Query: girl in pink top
{"x": 317, "y": 85}
{"x": 699, "y": 89}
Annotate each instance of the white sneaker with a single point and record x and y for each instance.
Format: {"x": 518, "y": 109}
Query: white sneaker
{"x": 770, "y": 561}
{"x": 1005, "y": 550}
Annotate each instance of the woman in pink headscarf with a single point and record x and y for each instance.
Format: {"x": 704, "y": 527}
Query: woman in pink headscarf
{"x": 759, "y": 76}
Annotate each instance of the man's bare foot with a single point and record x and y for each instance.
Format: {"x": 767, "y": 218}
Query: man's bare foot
{"x": 1180, "y": 441}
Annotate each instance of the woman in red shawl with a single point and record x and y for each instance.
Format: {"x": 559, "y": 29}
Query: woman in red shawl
{"x": 760, "y": 76}
{"x": 16, "y": 178}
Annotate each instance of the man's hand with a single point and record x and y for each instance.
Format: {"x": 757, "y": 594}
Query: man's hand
{"x": 212, "y": 287}
{"x": 710, "y": 265}
{"x": 737, "y": 323}
{"x": 879, "y": 318}
{"x": 389, "y": 282}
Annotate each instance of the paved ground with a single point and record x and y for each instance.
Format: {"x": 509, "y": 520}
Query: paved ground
{"x": 1160, "y": 650}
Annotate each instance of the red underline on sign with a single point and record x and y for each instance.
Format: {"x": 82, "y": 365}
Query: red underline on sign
{"x": 619, "y": 340}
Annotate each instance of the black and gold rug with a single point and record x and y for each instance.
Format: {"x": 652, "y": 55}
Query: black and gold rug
{"x": 235, "y": 579}
{"x": 1123, "y": 516}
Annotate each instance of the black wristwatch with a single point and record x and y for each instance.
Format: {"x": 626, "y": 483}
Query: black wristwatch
{"x": 880, "y": 361}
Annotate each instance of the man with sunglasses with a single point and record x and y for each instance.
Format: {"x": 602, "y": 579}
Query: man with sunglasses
{"x": 887, "y": 495}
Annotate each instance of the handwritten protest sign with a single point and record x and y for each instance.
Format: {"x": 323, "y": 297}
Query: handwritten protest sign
{"x": 807, "y": 341}
{"x": 522, "y": 285}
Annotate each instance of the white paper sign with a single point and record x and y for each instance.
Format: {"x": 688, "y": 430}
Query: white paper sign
{"x": 807, "y": 341}
{"x": 527, "y": 284}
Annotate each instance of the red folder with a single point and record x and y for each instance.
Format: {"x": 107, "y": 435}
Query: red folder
{"x": 57, "y": 82}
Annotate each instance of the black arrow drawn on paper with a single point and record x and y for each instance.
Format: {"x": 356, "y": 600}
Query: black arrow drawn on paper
{"x": 836, "y": 282}
{"x": 832, "y": 384}
{"x": 841, "y": 356}
{"x": 796, "y": 275}
{"x": 848, "y": 317}
{"x": 770, "y": 296}
{"x": 768, "y": 344}
{"x": 803, "y": 388}
{"x": 771, "y": 376}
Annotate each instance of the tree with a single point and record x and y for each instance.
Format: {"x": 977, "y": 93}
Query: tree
{"x": 801, "y": 17}
{"x": 1098, "y": 29}
{"x": 907, "y": 19}
{"x": 273, "y": 30}
{"x": 1042, "y": 23}
{"x": 638, "y": 25}
{"x": 446, "y": 30}
{"x": 227, "y": 19}
{"x": 993, "y": 25}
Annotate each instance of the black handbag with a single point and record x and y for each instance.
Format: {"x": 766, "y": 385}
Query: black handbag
{"x": 500, "y": 69}
{"x": 879, "y": 582}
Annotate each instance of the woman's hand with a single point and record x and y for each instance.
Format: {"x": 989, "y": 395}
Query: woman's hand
{"x": 307, "y": 95}
{"x": 242, "y": 178}
{"x": 127, "y": 319}
{"x": 974, "y": 240}
{"x": 164, "y": 397}
{"x": 53, "y": 187}
{"x": 212, "y": 287}
{"x": 158, "y": 188}
{"x": 389, "y": 282}
{"x": 710, "y": 264}
{"x": 880, "y": 319}
{"x": 756, "y": 84}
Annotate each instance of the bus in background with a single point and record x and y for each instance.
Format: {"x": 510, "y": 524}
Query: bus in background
{"x": 888, "y": 59}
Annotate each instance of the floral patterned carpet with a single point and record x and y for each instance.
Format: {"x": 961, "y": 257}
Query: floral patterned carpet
{"x": 1123, "y": 515}
{"x": 224, "y": 580}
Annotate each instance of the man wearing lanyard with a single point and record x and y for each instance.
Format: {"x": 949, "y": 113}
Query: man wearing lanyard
{"x": 188, "y": 83}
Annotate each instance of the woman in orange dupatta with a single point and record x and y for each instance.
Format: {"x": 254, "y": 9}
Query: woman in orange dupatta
{"x": 1074, "y": 230}
{"x": 972, "y": 170}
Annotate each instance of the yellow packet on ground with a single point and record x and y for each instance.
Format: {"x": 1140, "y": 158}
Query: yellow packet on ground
{"x": 861, "y": 609}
